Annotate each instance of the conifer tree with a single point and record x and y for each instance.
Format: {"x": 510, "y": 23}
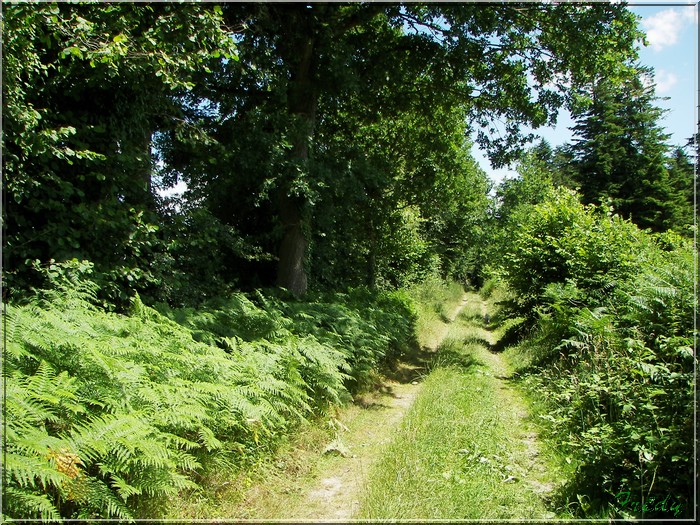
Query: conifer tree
{"x": 682, "y": 177}
{"x": 620, "y": 153}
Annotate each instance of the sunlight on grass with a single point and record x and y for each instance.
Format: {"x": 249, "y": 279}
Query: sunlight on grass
{"x": 466, "y": 449}
{"x": 436, "y": 302}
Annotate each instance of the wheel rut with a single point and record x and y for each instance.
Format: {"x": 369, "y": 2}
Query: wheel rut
{"x": 331, "y": 490}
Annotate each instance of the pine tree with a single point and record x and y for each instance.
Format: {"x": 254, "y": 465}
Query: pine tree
{"x": 682, "y": 176}
{"x": 620, "y": 153}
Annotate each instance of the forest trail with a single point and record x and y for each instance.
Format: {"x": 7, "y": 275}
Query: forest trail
{"x": 381, "y": 460}
{"x": 337, "y": 494}
{"x": 467, "y": 449}
{"x": 532, "y": 468}
{"x": 321, "y": 485}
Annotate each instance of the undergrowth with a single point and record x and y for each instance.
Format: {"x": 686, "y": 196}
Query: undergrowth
{"x": 610, "y": 356}
{"x": 108, "y": 415}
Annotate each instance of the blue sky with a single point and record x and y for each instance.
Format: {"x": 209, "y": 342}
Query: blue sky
{"x": 672, "y": 34}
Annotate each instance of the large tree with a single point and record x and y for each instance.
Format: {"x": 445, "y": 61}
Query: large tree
{"x": 621, "y": 155}
{"x": 84, "y": 88}
{"x": 504, "y": 65}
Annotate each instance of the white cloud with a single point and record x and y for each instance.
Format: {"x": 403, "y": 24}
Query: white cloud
{"x": 175, "y": 191}
{"x": 663, "y": 28}
{"x": 690, "y": 13}
{"x": 665, "y": 80}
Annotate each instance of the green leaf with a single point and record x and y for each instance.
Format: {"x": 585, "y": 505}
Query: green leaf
{"x": 72, "y": 50}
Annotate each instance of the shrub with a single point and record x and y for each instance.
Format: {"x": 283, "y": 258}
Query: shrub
{"x": 618, "y": 380}
{"x": 561, "y": 241}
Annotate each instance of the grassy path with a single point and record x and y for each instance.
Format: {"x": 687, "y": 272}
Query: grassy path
{"x": 322, "y": 474}
{"x": 448, "y": 436}
{"x": 466, "y": 449}
{"x": 362, "y": 441}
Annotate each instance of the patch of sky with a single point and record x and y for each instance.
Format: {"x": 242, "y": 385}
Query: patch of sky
{"x": 672, "y": 52}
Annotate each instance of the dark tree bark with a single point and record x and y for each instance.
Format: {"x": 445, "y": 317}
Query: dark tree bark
{"x": 291, "y": 273}
{"x": 302, "y": 102}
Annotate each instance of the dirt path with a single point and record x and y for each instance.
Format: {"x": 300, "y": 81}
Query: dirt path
{"x": 336, "y": 494}
{"x": 329, "y": 484}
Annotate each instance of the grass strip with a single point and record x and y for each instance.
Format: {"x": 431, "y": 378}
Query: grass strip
{"x": 465, "y": 449}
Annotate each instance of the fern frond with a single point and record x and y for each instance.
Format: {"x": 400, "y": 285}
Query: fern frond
{"x": 21, "y": 504}
{"x": 102, "y": 502}
{"x": 22, "y": 409}
{"x": 32, "y": 471}
{"x": 122, "y": 488}
{"x": 178, "y": 442}
{"x": 33, "y": 441}
{"x": 185, "y": 461}
{"x": 208, "y": 439}
{"x": 96, "y": 437}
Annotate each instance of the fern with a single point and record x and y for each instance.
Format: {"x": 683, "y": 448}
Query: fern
{"x": 32, "y": 471}
{"x": 124, "y": 489}
{"x": 106, "y": 411}
{"x": 100, "y": 501}
{"x": 22, "y": 504}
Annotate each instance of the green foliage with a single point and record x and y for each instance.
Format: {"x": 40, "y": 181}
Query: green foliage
{"x": 274, "y": 116}
{"x": 532, "y": 186}
{"x": 613, "y": 308}
{"x": 197, "y": 258}
{"x": 360, "y": 329}
{"x": 340, "y": 135}
{"x": 620, "y": 155}
{"x": 624, "y": 411}
{"x": 401, "y": 198}
{"x": 110, "y": 413}
{"x": 563, "y": 242}
{"x": 85, "y": 86}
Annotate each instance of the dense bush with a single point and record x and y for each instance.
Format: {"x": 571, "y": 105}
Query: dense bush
{"x": 561, "y": 241}
{"x": 367, "y": 327}
{"x": 107, "y": 412}
{"x": 614, "y": 309}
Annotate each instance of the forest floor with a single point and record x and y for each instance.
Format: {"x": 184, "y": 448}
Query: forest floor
{"x": 335, "y": 473}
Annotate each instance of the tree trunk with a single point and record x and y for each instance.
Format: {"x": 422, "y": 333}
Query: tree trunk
{"x": 302, "y": 100}
{"x": 291, "y": 273}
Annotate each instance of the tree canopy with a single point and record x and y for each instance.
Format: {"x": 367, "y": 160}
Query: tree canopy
{"x": 620, "y": 154}
{"x": 272, "y": 114}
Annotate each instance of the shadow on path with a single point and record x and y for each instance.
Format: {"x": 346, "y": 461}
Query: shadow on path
{"x": 414, "y": 364}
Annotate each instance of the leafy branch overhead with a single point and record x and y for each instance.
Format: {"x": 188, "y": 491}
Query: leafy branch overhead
{"x": 255, "y": 104}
